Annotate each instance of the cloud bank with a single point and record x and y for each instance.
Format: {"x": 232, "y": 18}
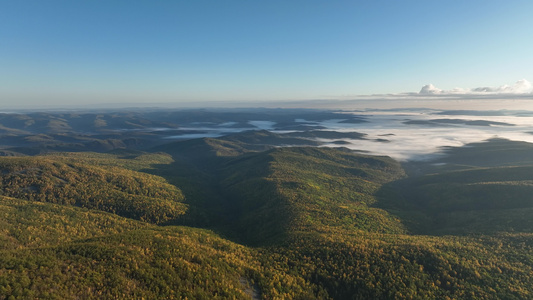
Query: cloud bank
{"x": 520, "y": 87}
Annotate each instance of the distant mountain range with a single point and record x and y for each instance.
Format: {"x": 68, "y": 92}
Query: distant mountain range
{"x": 43, "y": 132}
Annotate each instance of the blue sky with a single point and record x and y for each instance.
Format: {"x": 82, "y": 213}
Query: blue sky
{"x": 77, "y": 52}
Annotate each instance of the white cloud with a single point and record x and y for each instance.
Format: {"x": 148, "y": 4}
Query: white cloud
{"x": 520, "y": 87}
{"x": 430, "y": 89}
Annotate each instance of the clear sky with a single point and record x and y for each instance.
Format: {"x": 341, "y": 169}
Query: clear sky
{"x": 77, "y": 52}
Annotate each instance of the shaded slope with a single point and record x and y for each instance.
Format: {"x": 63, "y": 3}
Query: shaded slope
{"x": 197, "y": 168}
{"x": 477, "y": 201}
{"x": 481, "y": 188}
{"x": 491, "y": 153}
{"x": 194, "y": 170}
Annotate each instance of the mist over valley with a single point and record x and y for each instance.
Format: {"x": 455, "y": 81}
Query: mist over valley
{"x": 404, "y": 134}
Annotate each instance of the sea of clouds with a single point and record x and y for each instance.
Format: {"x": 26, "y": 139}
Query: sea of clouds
{"x": 405, "y": 141}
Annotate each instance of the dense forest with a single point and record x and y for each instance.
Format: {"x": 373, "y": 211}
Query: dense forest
{"x": 240, "y": 217}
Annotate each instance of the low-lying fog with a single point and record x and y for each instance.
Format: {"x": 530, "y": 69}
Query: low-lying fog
{"x": 416, "y": 135}
{"x": 405, "y": 134}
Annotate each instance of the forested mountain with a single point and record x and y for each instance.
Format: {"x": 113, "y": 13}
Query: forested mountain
{"x": 243, "y": 216}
